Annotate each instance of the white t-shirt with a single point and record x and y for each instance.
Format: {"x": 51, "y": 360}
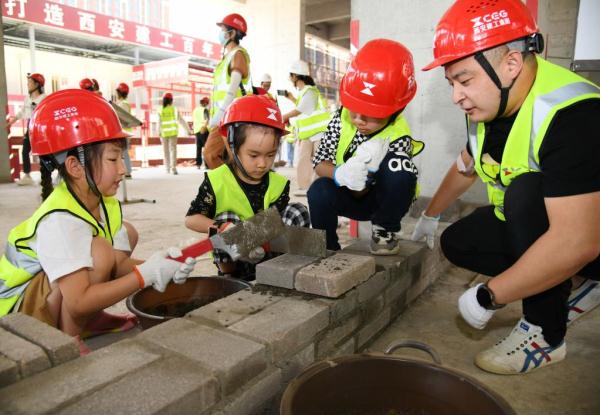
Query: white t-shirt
{"x": 307, "y": 106}
{"x": 28, "y": 107}
{"x": 63, "y": 244}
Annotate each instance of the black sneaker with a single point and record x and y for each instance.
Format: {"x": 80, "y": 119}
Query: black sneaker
{"x": 384, "y": 242}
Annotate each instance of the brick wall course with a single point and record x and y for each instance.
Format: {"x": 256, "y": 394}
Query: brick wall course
{"x": 29, "y": 358}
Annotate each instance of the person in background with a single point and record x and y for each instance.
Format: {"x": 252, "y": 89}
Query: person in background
{"x": 72, "y": 258}
{"x": 265, "y": 83}
{"x": 122, "y": 93}
{"x": 231, "y": 80}
{"x": 245, "y": 185}
{"x": 310, "y": 124}
{"x": 532, "y": 130}
{"x": 200, "y": 117}
{"x": 169, "y": 121}
{"x": 365, "y": 159}
{"x": 35, "y": 94}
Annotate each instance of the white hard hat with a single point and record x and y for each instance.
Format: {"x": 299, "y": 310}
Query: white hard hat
{"x": 265, "y": 78}
{"x": 299, "y": 67}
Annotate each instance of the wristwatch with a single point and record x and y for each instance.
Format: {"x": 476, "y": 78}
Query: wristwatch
{"x": 493, "y": 305}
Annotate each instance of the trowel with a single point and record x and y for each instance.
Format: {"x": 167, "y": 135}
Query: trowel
{"x": 299, "y": 241}
{"x": 239, "y": 240}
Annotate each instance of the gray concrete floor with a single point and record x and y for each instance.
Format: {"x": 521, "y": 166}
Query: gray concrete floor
{"x": 570, "y": 387}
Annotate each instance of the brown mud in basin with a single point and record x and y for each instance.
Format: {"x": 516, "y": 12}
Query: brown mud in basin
{"x": 153, "y": 307}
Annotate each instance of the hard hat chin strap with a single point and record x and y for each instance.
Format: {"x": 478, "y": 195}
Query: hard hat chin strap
{"x": 231, "y": 134}
{"x": 487, "y": 67}
{"x": 88, "y": 175}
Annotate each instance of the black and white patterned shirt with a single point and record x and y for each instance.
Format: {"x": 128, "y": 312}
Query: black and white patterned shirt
{"x": 329, "y": 143}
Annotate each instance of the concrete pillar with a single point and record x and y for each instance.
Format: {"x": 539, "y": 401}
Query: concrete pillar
{"x": 4, "y": 164}
{"x": 32, "y": 48}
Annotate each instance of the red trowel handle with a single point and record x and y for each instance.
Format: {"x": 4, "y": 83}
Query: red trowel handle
{"x": 195, "y": 250}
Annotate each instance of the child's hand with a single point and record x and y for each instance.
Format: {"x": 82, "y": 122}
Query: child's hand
{"x": 159, "y": 269}
{"x": 375, "y": 150}
{"x": 256, "y": 255}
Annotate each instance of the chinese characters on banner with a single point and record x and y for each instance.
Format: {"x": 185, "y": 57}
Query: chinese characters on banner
{"x": 60, "y": 16}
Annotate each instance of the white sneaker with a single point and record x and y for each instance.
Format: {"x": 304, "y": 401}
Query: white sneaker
{"x": 583, "y": 299}
{"x": 383, "y": 242}
{"x": 26, "y": 180}
{"x": 522, "y": 351}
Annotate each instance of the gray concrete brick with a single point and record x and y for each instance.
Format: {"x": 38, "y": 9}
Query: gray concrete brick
{"x": 371, "y": 329}
{"x": 173, "y": 385}
{"x": 9, "y": 371}
{"x": 59, "y": 346}
{"x": 373, "y": 286}
{"x": 346, "y": 348}
{"x": 392, "y": 263}
{"x": 231, "y": 309}
{"x": 297, "y": 363}
{"x": 340, "y": 307}
{"x": 281, "y": 271}
{"x": 232, "y": 359}
{"x": 333, "y": 276}
{"x": 30, "y": 358}
{"x": 335, "y": 335}
{"x": 254, "y": 398}
{"x": 287, "y": 326}
{"x": 397, "y": 287}
{"x": 52, "y": 389}
{"x": 370, "y": 310}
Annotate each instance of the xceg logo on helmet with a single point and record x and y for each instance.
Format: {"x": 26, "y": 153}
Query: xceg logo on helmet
{"x": 67, "y": 112}
{"x": 490, "y": 21}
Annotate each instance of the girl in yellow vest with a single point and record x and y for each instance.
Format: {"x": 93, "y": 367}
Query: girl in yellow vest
{"x": 170, "y": 119}
{"x": 71, "y": 259}
{"x": 231, "y": 79}
{"x": 310, "y": 124}
{"x": 246, "y": 185}
{"x": 365, "y": 157}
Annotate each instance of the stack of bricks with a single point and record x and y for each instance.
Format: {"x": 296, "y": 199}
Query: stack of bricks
{"x": 238, "y": 354}
{"x": 28, "y": 346}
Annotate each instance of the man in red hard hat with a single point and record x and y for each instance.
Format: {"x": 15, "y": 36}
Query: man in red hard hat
{"x": 533, "y": 139}
{"x": 365, "y": 156}
{"x": 35, "y": 90}
{"x": 231, "y": 80}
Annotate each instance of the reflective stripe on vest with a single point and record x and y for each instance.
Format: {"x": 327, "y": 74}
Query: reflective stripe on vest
{"x": 305, "y": 126}
{"x": 395, "y": 130}
{"x": 222, "y": 79}
{"x": 20, "y": 263}
{"x": 554, "y": 88}
{"x": 231, "y": 198}
{"x": 168, "y": 122}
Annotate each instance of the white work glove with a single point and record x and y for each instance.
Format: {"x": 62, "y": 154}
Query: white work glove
{"x": 426, "y": 226}
{"x": 159, "y": 270}
{"x": 375, "y": 151}
{"x": 353, "y": 173}
{"x": 215, "y": 119}
{"x": 256, "y": 255}
{"x": 470, "y": 310}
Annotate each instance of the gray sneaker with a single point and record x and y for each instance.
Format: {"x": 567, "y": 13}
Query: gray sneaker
{"x": 26, "y": 180}
{"x": 384, "y": 242}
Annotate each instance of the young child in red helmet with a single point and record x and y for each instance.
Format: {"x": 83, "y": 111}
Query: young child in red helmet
{"x": 365, "y": 157}
{"x": 246, "y": 185}
{"x": 72, "y": 258}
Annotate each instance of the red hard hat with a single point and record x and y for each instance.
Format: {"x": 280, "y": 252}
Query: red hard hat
{"x": 204, "y": 100}
{"x": 95, "y": 84}
{"x": 380, "y": 79}
{"x": 471, "y": 26}
{"x": 168, "y": 95}
{"x": 236, "y": 21}
{"x": 123, "y": 88}
{"x": 70, "y": 118}
{"x": 257, "y": 109}
{"x": 37, "y": 77}
{"x": 87, "y": 84}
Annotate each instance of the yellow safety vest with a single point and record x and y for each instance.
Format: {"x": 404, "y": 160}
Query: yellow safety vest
{"x": 554, "y": 88}
{"x": 168, "y": 122}
{"x": 123, "y": 103}
{"x": 230, "y": 197}
{"x": 222, "y": 79}
{"x": 394, "y": 131}
{"x": 198, "y": 119}
{"x": 305, "y": 126}
{"x": 20, "y": 263}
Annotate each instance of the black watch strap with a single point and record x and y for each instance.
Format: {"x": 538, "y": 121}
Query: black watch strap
{"x": 486, "y": 298}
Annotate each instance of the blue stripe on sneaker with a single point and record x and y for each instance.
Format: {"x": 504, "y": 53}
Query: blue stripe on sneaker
{"x": 532, "y": 358}
{"x": 582, "y": 294}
